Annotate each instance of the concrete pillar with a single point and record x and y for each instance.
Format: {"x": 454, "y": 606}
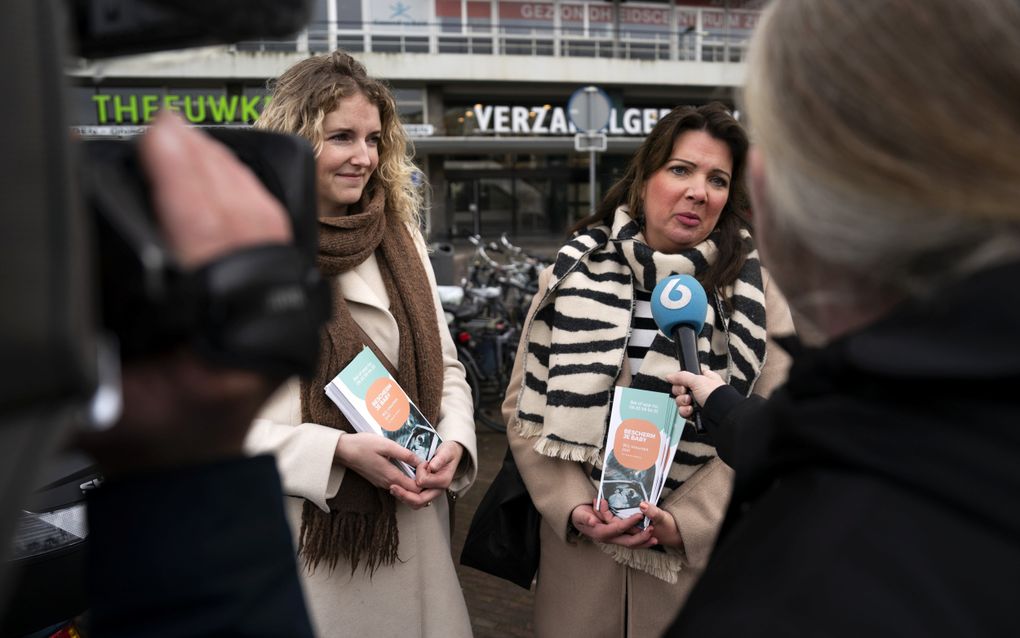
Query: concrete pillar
{"x": 439, "y": 221}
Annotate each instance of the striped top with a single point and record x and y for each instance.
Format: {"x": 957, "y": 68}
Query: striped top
{"x": 642, "y": 330}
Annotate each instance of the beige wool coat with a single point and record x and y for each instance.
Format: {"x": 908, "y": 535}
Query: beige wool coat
{"x": 582, "y": 592}
{"x": 420, "y": 595}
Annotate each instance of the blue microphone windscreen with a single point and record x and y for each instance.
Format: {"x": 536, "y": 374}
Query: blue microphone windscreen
{"x": 679, "y": 300}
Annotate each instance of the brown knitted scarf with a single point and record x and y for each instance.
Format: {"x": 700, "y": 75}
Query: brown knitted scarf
{"x": 361, "y": 523}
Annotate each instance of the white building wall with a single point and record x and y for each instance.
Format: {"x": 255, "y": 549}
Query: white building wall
{"x": 226, "y": 64}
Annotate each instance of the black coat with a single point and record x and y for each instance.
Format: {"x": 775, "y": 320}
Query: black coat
{"x": 195, "y": 551}
{"x": 878, "y": 492}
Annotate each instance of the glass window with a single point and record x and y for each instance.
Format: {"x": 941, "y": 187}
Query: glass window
{"x": 532, "y": 197}
{"x": 533, "y": 18}
{"x": 448, "y": 15}
{"x": 731, "y": 26}
{"x": 408, "y": 95}
{"x": 645, "y": 22}
{"x": 526, "y": 46}
{"x": 399, "y": 44}
{"x": 449, "y": 44}
{"x": 352, "y": 43}
{"x": 317, "y": 20}
{"x": 411, "y": 112}
{"x": 348, "y": 14}
{"x": 479, "y": 16}
{"x": 255, "y": 90}
{"x": 526, "y": 195}
{"x": 476, "y": 162}
{"x": 572, "y": 19}
{"x": 756, "y": 5}
{"x": 600, "y": 19}
{"x": 318, "y": 41}
{"x": 461, "y": 120}
{"x": 83, "y": 111}
{"x": 496, "y": 195}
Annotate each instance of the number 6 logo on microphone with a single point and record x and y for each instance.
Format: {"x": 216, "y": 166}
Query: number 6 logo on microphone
{"x": 679, "y": 300}
{"x": 670, "y": 302}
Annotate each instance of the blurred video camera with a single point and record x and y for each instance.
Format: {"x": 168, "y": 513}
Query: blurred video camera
{"x": 258, "y": 309}
{"x": 83, "y": 254}
{"x": 87, "y": 278}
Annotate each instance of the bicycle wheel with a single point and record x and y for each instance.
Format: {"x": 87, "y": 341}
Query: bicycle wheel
{"x": 471, "y": 374}
{"x": 491, "y": 415}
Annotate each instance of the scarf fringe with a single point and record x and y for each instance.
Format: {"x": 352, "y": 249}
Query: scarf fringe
{"x": 363, "y": 530}
{"x": 567, "y": 451}
{"x": 528, "y": 429}
{"x": 665, "y": 567}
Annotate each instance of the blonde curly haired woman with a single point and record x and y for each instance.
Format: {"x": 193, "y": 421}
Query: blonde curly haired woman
{"x": 374, "y": 544}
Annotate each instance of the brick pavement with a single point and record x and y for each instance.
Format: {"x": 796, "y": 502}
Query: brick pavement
{"x": 497, "y": 607}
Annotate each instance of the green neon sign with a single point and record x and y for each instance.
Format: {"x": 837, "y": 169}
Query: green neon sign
{"x": 142, "y": 108}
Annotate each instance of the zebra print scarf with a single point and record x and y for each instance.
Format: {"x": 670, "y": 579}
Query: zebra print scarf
{"x": 577, "y": 343}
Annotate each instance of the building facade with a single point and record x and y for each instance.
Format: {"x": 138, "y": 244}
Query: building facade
{"x": 482, "y": 87}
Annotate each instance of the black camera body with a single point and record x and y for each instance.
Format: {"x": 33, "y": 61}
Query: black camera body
{"x": 83, "y": 258}
{"x": 258, "y": 308}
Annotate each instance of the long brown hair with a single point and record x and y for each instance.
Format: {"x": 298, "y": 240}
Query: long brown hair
{"x": 716, "y": 120}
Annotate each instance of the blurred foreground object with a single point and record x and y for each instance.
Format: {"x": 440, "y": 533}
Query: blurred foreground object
{"x": 58, "y": 369}
{"x": 120, "y": 27}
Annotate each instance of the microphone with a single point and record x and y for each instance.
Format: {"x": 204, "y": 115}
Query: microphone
{"x": 679, "y": 306}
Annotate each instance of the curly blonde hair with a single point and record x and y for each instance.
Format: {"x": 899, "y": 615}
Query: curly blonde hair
{"x": 311, "y": 89}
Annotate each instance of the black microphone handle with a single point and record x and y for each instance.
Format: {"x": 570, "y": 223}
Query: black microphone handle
{"x": 686, "y": 342}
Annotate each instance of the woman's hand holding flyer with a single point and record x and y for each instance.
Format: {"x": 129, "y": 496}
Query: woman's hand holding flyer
{"x": 644, "y": 431}
{"x": 374, "y": 402}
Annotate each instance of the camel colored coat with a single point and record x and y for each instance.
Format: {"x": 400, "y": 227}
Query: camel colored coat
{"x": 419, "y": 595}
{"x": 582, "y": 592}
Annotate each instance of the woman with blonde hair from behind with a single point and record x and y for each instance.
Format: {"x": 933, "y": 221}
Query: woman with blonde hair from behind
{"x": 374, "y": 544}
{"x": 876, "y": 492}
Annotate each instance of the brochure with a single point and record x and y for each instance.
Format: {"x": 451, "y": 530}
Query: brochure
{"x": 373, "y": 401}
{"x": 644, "y": 431}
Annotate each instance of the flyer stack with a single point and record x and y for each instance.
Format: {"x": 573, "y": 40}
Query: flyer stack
{"x": 644, "y": 430}
{"x": 373, "y": 401}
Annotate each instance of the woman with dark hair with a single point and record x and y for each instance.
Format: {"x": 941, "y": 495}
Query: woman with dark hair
{"x": 680, "y": 208}
{"x": 715, "y": 121}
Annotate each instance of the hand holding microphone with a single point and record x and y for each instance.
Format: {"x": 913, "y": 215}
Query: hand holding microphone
{"x": 692, "y": 390}
{"x": 679, "y": 306}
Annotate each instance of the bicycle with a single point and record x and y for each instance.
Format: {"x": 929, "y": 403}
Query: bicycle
{"x": 485, "y": 315}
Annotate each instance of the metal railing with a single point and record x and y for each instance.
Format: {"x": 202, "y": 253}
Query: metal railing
{"x": 607, "y": 41}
